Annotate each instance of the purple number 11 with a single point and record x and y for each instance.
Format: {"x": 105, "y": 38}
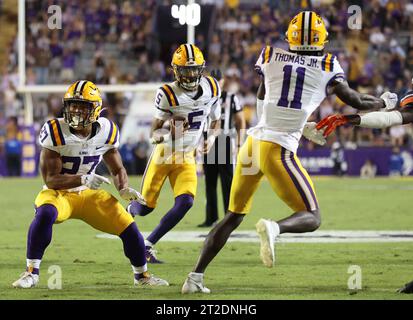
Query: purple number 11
{"x": 296, "y": 103}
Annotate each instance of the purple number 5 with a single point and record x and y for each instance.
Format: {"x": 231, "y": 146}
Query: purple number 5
{"x": 194, "y": 125}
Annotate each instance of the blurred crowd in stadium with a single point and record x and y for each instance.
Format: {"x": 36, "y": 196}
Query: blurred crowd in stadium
{"x": 113, "y": 42}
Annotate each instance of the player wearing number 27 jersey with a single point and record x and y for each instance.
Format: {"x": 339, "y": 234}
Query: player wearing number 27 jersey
{"x": 294, "y": 84}
{"x": 72, "y": 147}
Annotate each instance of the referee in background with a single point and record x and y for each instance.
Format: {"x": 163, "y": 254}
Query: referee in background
{"x": 220, "y": 160}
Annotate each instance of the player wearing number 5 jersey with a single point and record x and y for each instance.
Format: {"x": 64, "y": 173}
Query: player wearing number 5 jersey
{"x": 294, "y": 84}
{"x": 72, "y": 147}
{"x": 188, "y": 104}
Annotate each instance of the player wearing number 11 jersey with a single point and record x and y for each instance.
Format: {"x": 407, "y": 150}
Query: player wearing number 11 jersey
{"x": 294, "y": 84}
{"x": 72, "y": 147}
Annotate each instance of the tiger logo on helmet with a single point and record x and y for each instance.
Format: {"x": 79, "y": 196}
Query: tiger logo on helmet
{"x": 82, "y": 104}
{"x": 306, "y": 32}
{"x": 188, "y": 63}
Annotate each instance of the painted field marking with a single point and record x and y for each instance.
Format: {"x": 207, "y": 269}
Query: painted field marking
{"x": 328, "y": 236}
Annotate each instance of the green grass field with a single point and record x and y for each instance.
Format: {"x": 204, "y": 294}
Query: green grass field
{"x": 95, "y": 268}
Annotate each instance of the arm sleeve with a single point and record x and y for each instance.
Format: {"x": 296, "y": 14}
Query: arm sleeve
{"x": 380, "y": 119}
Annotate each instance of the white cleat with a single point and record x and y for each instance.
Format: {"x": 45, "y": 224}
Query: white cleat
{"x": 27, "y": 280}
{"x": 267, "y": 232}
{"x": 194, "y": 284}
{"x": 150, "y": 280}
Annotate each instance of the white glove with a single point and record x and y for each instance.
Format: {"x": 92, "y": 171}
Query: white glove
{"x": 131, "y": 194}
{"x": 390, "y": 100}
{"x": 208, "y": 144}
{"x": 314, "y": 135}
{"x": 163, "y": 139}
{"x": 93, "y": 181}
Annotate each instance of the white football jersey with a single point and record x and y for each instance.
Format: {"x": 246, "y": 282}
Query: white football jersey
{"x": 171, "y": 100}
{"x": 79, "y": 155}
{"x": 295, "y": 85}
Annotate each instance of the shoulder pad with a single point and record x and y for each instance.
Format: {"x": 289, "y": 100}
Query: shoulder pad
{"x": 51, "y": 134}
{"x": 110, "y": 132}
{"x": 214, "y": 86}
{"x": 328, "y": 62}
{"x": 170, "y": 95}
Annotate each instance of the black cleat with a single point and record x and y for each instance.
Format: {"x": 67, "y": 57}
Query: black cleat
{"x": 408, "y": 288}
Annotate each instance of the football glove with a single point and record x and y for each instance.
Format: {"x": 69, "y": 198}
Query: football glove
{"x": 390, "y": 100}
{"x": 312, "y": 134}
{"x": 330, "y": 123}
{"x": 208, "y": 143}
{"x": 93, "y": 180}
{"x": 130, "y": 194}
{"x": 162, "y": 139}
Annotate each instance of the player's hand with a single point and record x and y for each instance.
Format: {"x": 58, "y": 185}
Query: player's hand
{"x": 390, "y": 100}
{"x": 178, "y": 126}
{"x": 208, "y": 143}
{"x": 156, "y": 139}
{"x": 313, "y": 134}
{"x": 131, "y": 194}
{"x": 330, "y": 123}
{"x": 93, "y": 181}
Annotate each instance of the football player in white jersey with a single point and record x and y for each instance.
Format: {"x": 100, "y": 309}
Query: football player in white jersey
{"x": 187, "y": 103}
{"x": 72, "y": 147}
{"x": 294, "y": 83}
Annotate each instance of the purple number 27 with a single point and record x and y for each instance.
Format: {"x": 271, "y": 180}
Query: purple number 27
{"x": 296, "y": 103}
{"x": 75, "y": 161}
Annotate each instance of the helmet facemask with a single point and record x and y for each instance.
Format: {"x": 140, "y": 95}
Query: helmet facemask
{"x": 188, "y": 77}
{"x": 79, "y": 113}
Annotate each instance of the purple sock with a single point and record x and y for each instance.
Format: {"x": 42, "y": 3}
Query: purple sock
{"x": 40, "y": 231}
{"x": 136, "y": 208}
{"x": 182, "y": 204}
{"x": 133, "y": 245}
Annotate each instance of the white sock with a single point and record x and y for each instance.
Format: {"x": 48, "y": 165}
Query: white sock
{"x": 148, "y": 244}
{"x": 277, "y": 228}
{"x": 34, "y": 263}
{"x": 196, "y": 276}
{"x": 141, "y": 269}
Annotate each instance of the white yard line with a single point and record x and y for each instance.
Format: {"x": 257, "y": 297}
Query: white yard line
{"x": 328, "y": 236}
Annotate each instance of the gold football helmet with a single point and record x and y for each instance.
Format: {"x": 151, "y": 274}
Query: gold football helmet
{"x": 188, "y": 64}
{"x": 306, "y": 32}
{"x": 82, "y": 104}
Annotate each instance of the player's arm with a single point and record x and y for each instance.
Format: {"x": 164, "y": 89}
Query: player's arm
{"x": 355, "y": 99}
{"x": 118, "y": 172}
{"x": 260, "y": 98}
{"x": 51, "y": 166}
{"x": 157, "y": 134}
{"x": 114, "y": 163}
{"x": 214, "y": 126}
{"x": 379, "y": 120}
{"x": 239, "y": 122}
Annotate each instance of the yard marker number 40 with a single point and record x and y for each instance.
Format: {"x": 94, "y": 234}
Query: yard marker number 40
{"x": 187, "y": 14}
